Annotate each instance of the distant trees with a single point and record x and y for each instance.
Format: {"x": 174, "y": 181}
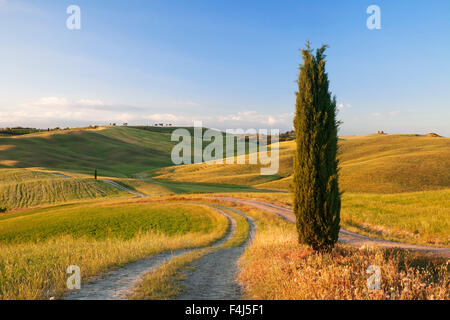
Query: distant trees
{"x": 18, "y": 131}
{"x": 317, "y": 200}
{"x": 287, "y": 136}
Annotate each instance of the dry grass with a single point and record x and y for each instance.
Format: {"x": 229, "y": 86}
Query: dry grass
{"x": 275, "y": 266}
{"x": 36, "y": 270}
{"x": 416, "y": 217}
{"x": 372, "y": 163}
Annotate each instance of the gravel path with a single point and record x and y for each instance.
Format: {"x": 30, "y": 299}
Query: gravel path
{"x": 214, "y": 275}
{"x": 118, "y": 284}
{"x": 345, "y": 236}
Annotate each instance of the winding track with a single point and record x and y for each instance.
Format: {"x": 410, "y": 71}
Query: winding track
{"x": 118, "y": 284}
{"x": 345, "y": 236}
{"x": 214, "y": 275}
{"x": 123, "y": 188}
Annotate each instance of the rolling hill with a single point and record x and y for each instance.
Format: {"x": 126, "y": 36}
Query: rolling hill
{"x": 114, "y": 151}
{"x": 371, "y": 163}
{"x": 118, "y": 152}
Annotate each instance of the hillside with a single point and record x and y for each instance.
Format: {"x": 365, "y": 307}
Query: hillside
{"x": 20, "y": 188}
{"x": 114, "y": 151}
{"x": 120, "y": 152}
{"x": 371, "y": 163}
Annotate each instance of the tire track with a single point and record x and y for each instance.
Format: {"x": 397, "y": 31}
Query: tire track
{"x": 118, "y": 284}
{"x": 123, "y": 188}
{"x": 214, "y": 275}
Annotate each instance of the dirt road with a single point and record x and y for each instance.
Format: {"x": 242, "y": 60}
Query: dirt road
{"x": 123, "y": 188}
{"x": 345, "y": 236}
{"x": 214, "y": 275}
{"x": 118, "y": 284}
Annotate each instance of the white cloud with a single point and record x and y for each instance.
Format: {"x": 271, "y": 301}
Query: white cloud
{"x": 58, "y": 111}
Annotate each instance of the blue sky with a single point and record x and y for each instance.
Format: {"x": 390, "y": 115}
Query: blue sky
{"x": 228, "y": 63}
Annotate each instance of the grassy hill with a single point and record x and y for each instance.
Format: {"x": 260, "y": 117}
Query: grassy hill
{"x": 120, "y": 152}
{"x": 20, "y": 188}
{"x": 114, "y": 151}
{"x": 371, "y": 163}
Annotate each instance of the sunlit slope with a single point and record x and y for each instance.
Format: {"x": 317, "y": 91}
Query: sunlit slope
{"x": 20, "y": 188}
{"x": 371, "y": 163}
{"x": 114, "y": 151}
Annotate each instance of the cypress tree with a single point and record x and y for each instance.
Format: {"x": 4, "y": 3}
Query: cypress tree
{"x": 317, "y": 200}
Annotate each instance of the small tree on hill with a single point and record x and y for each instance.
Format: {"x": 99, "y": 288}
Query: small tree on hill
{"x": 317, "y": 200}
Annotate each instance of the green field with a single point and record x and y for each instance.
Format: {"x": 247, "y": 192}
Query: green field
{"x": 176, "y": 187}
{"x": 37, "y": 245}
{"x": 123, "y": 221}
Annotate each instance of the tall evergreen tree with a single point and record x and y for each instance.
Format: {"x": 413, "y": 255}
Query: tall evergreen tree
{"x": 317, "y": 201}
